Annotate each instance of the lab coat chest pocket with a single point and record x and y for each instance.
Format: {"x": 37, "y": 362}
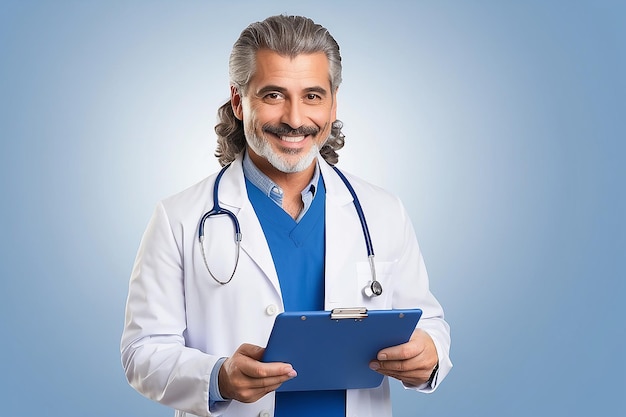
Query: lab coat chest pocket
{"x": 384, "y": 274}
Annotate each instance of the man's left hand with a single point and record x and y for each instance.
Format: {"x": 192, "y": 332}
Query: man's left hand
{"x": 411, "y": 362}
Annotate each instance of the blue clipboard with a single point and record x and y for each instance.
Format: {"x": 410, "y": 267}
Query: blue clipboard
{"x": 332, "y": 350}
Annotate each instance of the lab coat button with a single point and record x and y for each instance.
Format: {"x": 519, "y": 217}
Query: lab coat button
{"x": 264, "y": 413}
{"x": 271, "y": 310}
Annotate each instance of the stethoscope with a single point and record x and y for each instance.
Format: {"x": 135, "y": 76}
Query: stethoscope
{"x": 373, "y": 287}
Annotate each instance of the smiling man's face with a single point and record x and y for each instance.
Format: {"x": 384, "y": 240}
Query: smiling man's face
{"x": 287, "y": 111}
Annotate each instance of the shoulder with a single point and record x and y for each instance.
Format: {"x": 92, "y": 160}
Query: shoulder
{"x": 184, "y": 208}
{"x": 202, "y": 191}
{"x": 190, "y": 196}
{"x": 198, "y": 198}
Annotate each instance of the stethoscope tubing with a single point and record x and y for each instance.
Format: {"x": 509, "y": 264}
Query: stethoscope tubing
{"x": 218, "y": 210}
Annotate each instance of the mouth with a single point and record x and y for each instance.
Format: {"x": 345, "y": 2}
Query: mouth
{"x": 289, "y": 136}
{"x": 292, "y": 139}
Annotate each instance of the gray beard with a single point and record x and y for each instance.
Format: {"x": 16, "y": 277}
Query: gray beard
{"x": 262, "y": 148}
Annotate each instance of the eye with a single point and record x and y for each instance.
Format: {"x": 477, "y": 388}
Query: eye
{"x": 313, "y": 97}
{"x": 272, "y": 96}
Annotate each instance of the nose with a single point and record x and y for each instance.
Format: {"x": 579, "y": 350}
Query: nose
{"x": 292, "y": 114}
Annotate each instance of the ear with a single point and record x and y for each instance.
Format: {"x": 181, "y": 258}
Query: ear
{"x": 235, "y": 102}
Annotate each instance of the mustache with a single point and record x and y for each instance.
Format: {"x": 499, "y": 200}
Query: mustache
{"x": 286, "y": 130}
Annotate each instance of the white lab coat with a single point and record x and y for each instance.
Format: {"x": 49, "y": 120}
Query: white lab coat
{"x": 179, "y": 321}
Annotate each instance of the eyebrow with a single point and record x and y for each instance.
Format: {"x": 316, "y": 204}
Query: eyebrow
{"x": 275, "y": 88}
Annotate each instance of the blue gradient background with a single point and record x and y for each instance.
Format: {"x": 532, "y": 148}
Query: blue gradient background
{"x": 500, "y": 124}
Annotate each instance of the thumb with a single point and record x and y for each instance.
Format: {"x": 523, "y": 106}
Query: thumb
{"x": 252, "y": 351}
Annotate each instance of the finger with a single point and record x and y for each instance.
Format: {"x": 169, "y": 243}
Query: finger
{"x": 248, "y": 361}
{"x": 271, "y": 371}
{"x": 403, "y": 372}
{"x": 419, "y": 344}
{"x": 268, "y": 384}
{"x": 401, "y": 352}
{"x": 251, "y": 393}
{"x": 407, "y": 365}
{"x": 252, "y": 367}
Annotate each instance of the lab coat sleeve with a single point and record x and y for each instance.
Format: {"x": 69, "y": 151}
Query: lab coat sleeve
{"x": 415, "y": 291}
{"x": 155, "y": 359}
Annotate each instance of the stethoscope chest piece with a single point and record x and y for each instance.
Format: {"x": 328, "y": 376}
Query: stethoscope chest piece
{"x": 373, "y": 289}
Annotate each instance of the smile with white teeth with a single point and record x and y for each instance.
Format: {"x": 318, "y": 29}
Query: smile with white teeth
{"x": 292, "y": 139}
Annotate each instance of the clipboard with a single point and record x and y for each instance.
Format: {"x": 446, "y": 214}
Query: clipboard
{"x": 332, "y": 350}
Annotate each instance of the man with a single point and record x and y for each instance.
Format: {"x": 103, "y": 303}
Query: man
{"x": 200, "y": 311}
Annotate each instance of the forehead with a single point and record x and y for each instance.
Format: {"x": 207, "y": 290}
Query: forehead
{"x": 301, "y": 71}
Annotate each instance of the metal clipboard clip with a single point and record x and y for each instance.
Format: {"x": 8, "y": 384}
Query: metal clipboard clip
{"x": 356, "y": 313}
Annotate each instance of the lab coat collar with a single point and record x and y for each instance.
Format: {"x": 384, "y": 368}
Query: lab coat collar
{"x": 233, "y": 187}
{"x": 336, "y": 192}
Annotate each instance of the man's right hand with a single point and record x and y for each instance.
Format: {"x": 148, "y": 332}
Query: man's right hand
{"x": 244, "y": 378}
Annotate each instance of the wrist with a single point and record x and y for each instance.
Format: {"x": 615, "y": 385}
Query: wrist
{"x": 215, "y": 393}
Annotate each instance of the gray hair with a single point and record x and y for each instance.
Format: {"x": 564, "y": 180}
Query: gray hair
{"x": 288, "y": 36}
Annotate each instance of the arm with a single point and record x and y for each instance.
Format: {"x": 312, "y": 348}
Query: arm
{"x": 156, "y": 361}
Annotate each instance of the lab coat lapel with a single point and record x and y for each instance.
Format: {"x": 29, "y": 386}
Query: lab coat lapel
{"x": 232, "y": 193}
{"x": 342, "y": 227}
